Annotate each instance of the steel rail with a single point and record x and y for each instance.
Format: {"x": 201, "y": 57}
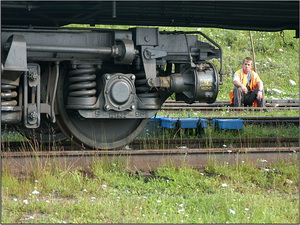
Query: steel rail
{"x": 222, "y": 103}
{"x": 217, "y": 108}
{"x": 141, "y": 142}
{"x": 145, "y": 160}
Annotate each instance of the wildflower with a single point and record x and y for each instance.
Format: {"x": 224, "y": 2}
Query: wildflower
{"x": 281, "y": 50}
{"x": 56, "y": 213}
{"x": 180, "y": 210}
{"x": 93, "y": 198}
{"x": 104, "y": 186}
{"x": 158, "y": 201}
{"x": 224, "y": 185}
{"x": 224, "y": 146}
{"x": 47, "y": 201}
{"x": 15, "y": 199}
{"x": 263, "y": 160}
{"x": 164, "y": 213}
{"x": 25, "y": 201}
{"x": 288, "y": 181}
{"x": 246, "y": 209}
{"x": 84, "y": 190}
{"x": 202, "y": 174}
{"x": 266, "y": 169}
{"x": 35, "y": 192}
{"x": 31, "y": 217}
{"x": 36, "y": 181}
{"x": 180, "y": 205}
{"x": 145, "y": 197}
{"x": 292, "y": 82}
{"x": 231, "y": 211}
{"x": 229, "y": 151}
{"x": 243, "y": 161}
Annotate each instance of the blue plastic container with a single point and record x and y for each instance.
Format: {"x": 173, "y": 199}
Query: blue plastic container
{"x": 203, "y": 123}
{"x": 168, "y": 122}
{"x": 188, "y": 123}
{"x": 228, "y": 124}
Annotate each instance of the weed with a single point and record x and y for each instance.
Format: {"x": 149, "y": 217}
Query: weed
{"x": 241, "y": 193}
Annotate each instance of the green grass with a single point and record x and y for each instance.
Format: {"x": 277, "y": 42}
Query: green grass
{"x": 243, "y": 194}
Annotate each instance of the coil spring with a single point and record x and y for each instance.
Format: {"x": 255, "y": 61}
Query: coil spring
{"x": 82, "y": 86}
{"x": 142, "y": 89}
{"x": 7, "y": 95}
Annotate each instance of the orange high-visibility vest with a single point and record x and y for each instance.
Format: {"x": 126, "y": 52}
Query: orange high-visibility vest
{"x": 253, "y": 83}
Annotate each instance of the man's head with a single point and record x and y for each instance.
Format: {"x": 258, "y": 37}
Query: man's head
{"x": 247, "y": 64}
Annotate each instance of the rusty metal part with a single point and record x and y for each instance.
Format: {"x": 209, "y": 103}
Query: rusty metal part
{"x": 139, "y": 143}
{"x": 26, "y": 162}
{"x": 206, "y": 108}
{"x": 222, "y": 103}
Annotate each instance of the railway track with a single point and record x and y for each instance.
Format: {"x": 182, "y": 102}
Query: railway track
{"x": 145, "y": 160}
{"x": 287, "y": 104}
{"x": 222, "y": 103}
{"x": 160, "y": 143}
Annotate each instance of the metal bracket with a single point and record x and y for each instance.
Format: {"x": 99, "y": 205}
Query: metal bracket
{"x": 17, "y": 56}
{"x": 149, "y": 64}
{"x": 150, "y": 53}
{"x": 32, "y": 106}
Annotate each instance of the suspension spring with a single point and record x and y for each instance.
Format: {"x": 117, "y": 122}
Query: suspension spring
{"x": 7, "y": 95}
{"x": 142, "y": 90}
{"x": 82, "y": 92}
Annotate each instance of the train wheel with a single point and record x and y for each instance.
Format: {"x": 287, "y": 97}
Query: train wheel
{"x": 94, "y": 133}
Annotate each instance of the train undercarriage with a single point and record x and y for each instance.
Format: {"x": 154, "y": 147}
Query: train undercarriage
{"x": 100, "y": 87}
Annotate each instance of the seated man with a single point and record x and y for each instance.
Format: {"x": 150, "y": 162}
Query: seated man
{"x": 248, "y": 87}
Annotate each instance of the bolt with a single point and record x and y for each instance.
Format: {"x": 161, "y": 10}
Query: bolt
{"x": 147, "y": 38}
{"x": 132, "y": 77}
{"x": 33, "y": 76}
{"x": 132, "y": 107}
{"x": 107, "y": 76}
{"x": 106, "y": 107}
{"x": 33, "y": 115}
